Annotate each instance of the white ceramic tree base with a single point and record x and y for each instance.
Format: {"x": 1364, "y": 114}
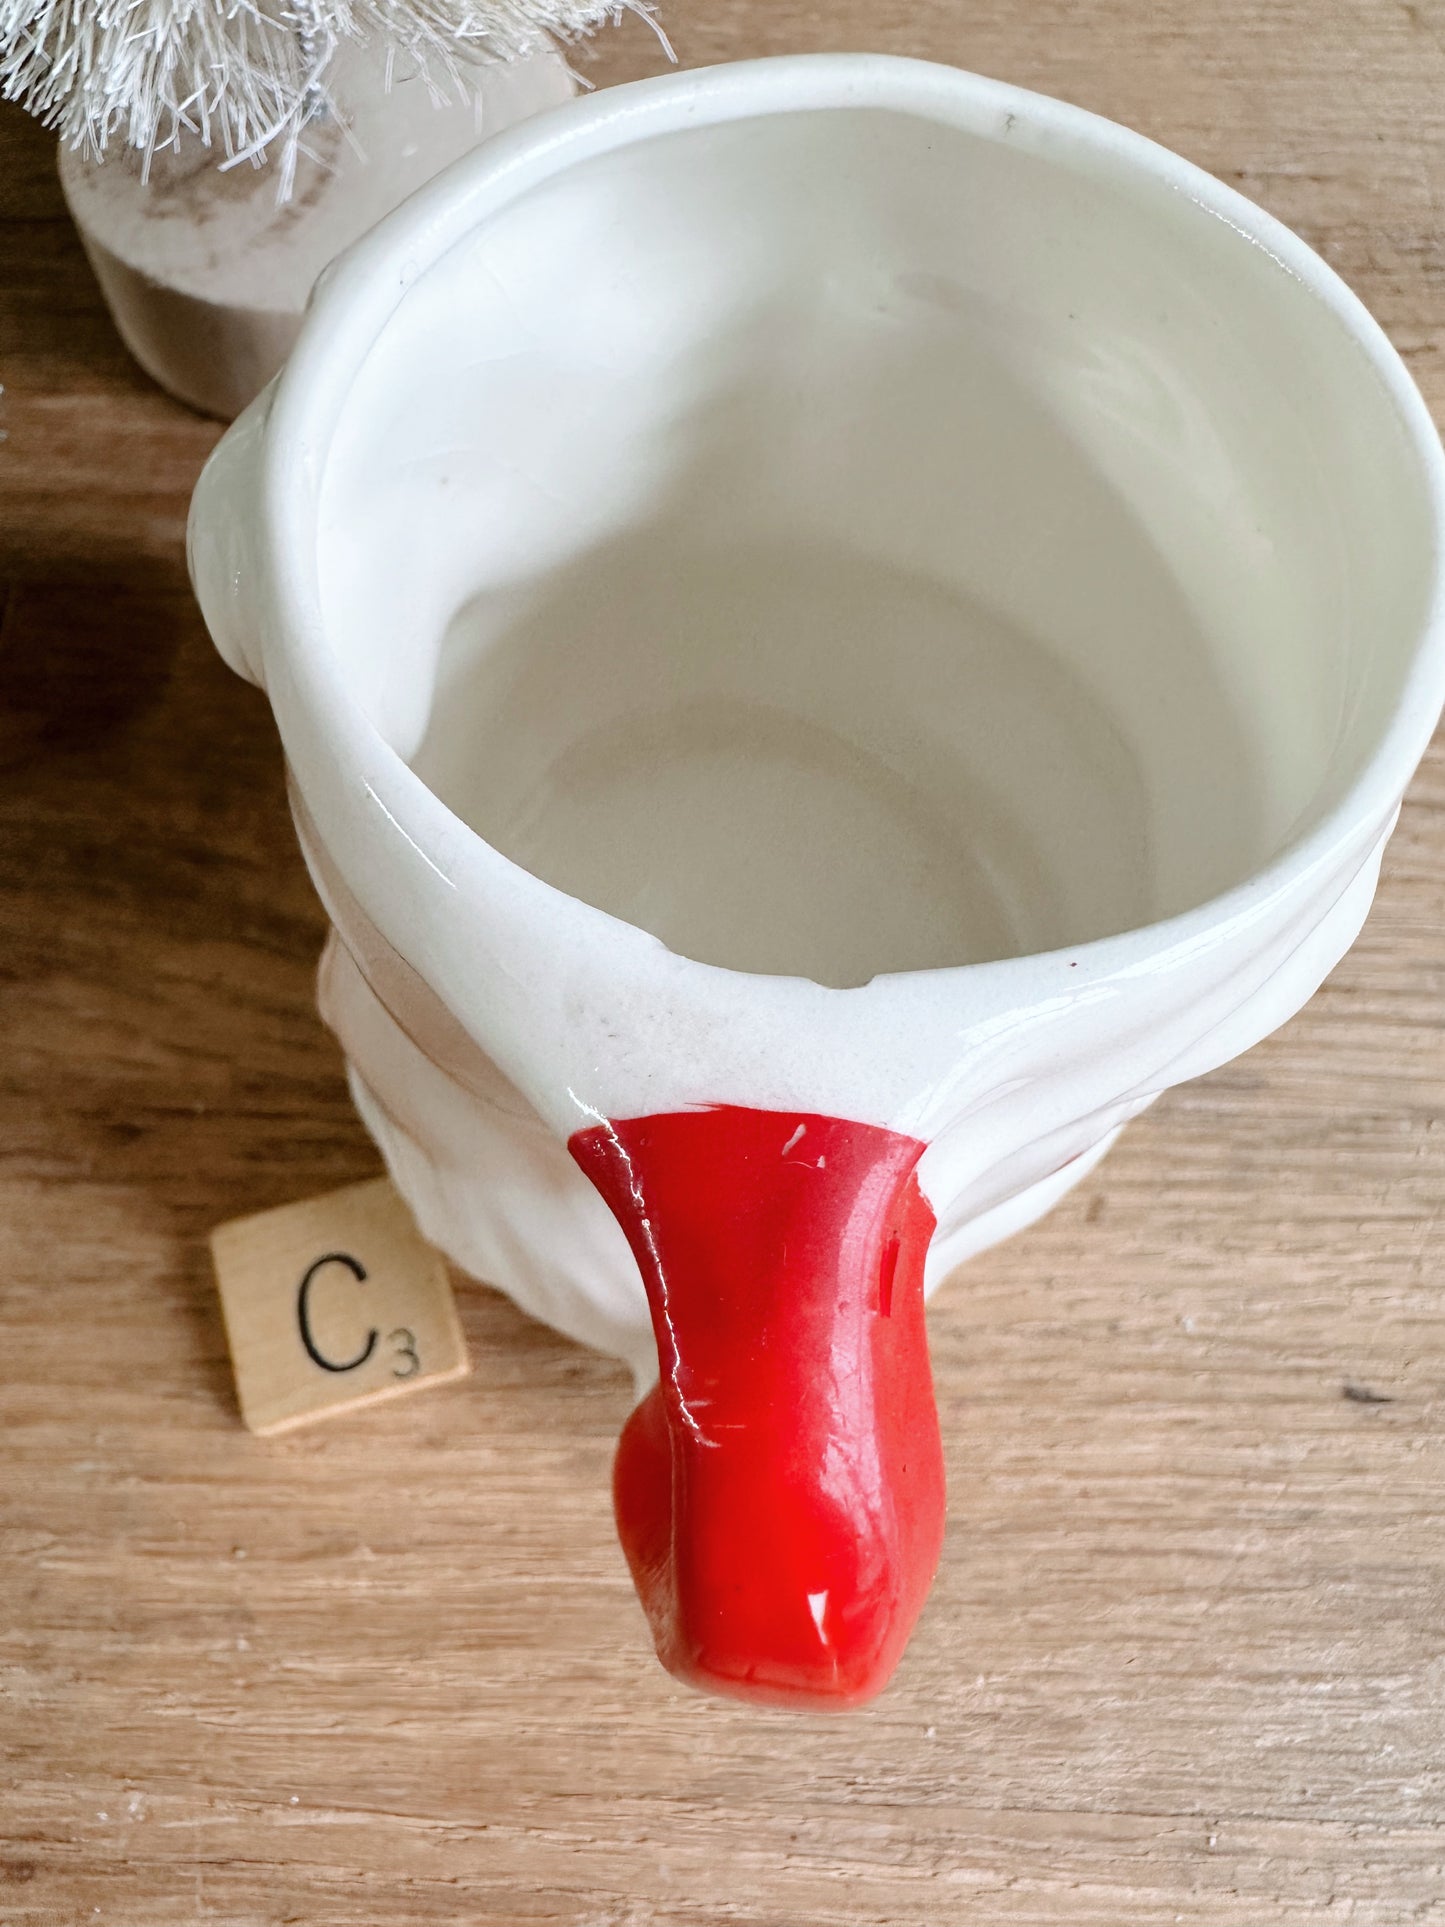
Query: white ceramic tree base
{"x": 207, "y": 276}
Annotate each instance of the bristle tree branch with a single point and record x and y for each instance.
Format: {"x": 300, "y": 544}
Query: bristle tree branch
{"x": 246, "y": 76}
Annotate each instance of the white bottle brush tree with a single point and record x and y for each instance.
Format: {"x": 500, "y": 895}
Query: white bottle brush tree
{"x": 246, "y": 76}
{"x": 185, "y": 126}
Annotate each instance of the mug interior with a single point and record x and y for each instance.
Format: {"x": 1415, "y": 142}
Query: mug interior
{"x": 842, "y": 542}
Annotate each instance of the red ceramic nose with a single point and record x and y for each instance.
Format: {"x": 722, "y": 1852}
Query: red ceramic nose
{"x": 780, "y": 1493}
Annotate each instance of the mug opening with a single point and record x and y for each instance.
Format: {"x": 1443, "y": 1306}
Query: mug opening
{"x": 840, "y": 543}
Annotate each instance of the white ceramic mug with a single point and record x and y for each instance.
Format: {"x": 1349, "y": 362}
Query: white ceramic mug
{"x": 835, "y": 624}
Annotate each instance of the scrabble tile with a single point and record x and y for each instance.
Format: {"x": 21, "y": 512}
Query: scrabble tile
{"x": 333, "y": 1303}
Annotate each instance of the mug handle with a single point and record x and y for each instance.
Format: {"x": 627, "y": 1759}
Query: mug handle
{"x": 221, "y": 540}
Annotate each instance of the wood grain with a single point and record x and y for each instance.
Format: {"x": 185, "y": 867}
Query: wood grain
{"x": 1185, "y": 1661}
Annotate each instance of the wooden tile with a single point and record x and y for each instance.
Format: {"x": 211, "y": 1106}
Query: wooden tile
{"x": 333, "y": 1303}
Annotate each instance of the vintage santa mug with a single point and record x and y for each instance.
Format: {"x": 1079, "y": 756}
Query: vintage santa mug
{"x": 837, "y": 627}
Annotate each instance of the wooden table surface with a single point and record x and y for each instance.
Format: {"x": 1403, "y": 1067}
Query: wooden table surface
{"x": 1185, "y": 1660}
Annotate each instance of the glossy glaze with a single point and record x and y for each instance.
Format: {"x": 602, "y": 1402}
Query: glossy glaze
{"x": 1051, "y": 541}
{"x": 779, "y": 1492}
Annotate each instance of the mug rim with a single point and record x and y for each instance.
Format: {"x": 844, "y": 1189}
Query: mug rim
{"x": 357, "y": 295}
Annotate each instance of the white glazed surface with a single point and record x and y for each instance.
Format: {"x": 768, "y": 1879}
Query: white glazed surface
{"x": 959, "y": 575}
